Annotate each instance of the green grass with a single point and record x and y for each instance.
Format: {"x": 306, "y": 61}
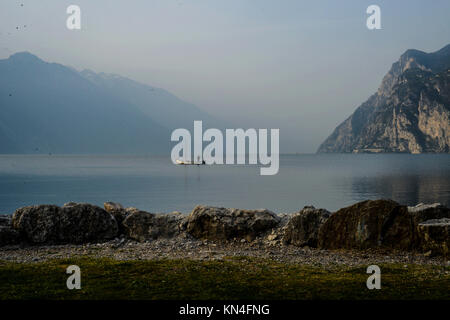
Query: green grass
{"x": 231, "y": 278}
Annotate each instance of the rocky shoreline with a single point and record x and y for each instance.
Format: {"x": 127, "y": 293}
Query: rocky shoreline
{"x": 372, "y": 231}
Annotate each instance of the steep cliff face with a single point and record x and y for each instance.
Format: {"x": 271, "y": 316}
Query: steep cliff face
{"x": 410, "y": 112}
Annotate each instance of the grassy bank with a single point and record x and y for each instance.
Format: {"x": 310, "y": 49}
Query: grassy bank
{"x": 234, "y": 278}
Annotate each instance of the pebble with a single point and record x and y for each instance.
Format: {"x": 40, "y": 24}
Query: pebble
{"x": 183, "y": 247}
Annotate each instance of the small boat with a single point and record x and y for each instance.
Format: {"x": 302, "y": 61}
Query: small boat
{"x": 190, "y": 163}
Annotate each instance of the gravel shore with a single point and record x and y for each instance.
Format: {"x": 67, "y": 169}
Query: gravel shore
{"x": 185, "y": 247}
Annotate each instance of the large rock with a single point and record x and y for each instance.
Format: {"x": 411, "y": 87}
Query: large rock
{"x": 82, "y": 223}
{"x": 225, "y": 224}
{"x": 38, "y": 224}
{"x": 141, "y": 225}
{"x": 423, "y": 212}
{"x": 167, "y": 225}
{"x": 136, "y": 224}
{"x": 112, "y": 206}
{"x": 8, "y": 236}
{"x": 369, "y": 224}
{"x": 303, "y": 227}
{"x": 5, "y": 220}
{"x": 434, "y": 236}
{"x": 118, "y": 212}
{"x": 73, "y": 223}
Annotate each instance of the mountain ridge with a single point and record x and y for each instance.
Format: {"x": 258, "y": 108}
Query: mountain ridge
{"x": 409, "y": 113}
{"x": 50, "y": 108}
{"x": 172, "y": 112}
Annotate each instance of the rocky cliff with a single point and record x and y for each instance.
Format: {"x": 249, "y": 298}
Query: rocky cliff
{"x": 409, "y": 113}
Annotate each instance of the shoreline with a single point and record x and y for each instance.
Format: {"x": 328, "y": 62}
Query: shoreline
{"x": 165, "y": 250}
{"x": 371, "y": 231}
{"x": 189, "y": 248}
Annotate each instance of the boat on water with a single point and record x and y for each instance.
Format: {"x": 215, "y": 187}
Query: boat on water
{"x": 190, "y": 163}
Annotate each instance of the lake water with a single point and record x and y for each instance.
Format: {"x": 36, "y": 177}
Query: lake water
{"x": 154, "y": 184}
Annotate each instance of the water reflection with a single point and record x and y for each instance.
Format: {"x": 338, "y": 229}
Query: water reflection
{"x": 406, "y": 189}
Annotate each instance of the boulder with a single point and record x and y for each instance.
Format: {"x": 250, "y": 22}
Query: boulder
{"x": 136, "y": 224}
{"x": 214, "y": 223}
{"x": 434, "y": 236}
{"x": 369, "y": 224}
{"x": 275, "y": 237}
{"x": 83, "y": 223}
{"x": 131, "y": 210}
{"x": 167, "y": 225}
{"x": 72, "y": 223}
{"x": 112, "y": 206}
{"x": 38, "y": 224}
{"x": 5, "y": 220}
{"x": 70, "y": 204}
{"x": 141, "y": 225}
{"x": 8, "y": 236}
{"x": 423, "y": 212}
{"x": 303, "y": 227}
{"x": 118, "y": 212}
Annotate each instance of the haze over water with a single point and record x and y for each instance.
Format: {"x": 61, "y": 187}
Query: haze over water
{"x": 154, "y": 184}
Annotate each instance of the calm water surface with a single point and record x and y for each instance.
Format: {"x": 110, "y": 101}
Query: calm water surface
{"x": 154, "y": 184}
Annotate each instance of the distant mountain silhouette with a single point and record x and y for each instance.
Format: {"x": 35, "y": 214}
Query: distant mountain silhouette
{"x": 50, "y": 108}
{"x": 409, "y": 113}
{"x": 165, "y": 108}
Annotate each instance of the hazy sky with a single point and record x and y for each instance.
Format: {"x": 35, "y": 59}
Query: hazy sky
{"x": 301, "y": 66}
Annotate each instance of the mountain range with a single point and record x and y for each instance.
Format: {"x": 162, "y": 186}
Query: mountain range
{"x": 409, "y": 113}
{"x": 50, "y": 108}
